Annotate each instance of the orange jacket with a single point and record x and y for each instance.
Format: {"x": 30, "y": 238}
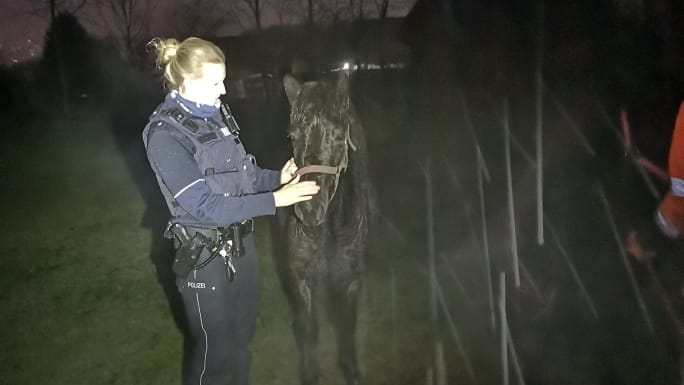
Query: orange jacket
{"x": 676, "y": 158}
{"x": 670, "y": 214}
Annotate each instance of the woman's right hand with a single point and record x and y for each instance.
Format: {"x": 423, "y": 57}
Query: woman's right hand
{"x": 295, "y": 191}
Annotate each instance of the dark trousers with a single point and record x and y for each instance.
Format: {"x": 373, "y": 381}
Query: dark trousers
{"x": 221, "y": 317}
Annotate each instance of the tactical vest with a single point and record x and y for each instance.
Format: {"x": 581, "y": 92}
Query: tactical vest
{"x": 219, "y": 153}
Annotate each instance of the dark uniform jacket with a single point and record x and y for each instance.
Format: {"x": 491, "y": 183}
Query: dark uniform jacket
{"x": 202, "y": 168}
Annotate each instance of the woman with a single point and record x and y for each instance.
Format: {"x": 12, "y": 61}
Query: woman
{"x": 213, "y": 189}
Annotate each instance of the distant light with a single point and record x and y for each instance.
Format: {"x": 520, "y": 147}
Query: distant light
{"x": 345, "y": 66}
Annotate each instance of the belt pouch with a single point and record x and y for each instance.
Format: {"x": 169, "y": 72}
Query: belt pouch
{"x": 186, "y": 257}
{"x": 238, "y": 250}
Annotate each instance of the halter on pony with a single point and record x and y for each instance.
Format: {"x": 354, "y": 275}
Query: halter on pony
{"x": 330, "y": 170}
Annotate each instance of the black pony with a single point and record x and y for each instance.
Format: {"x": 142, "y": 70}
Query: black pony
{"x": 324, "y": 239}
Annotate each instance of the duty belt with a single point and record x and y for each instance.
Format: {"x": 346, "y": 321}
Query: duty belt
{"x": 223, "y": 241}
{"x": 235, "y": 230}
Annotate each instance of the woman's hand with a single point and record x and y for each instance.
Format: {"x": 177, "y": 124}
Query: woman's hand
{"x": 295, "y": 191}
{"x": 288, "y": 171}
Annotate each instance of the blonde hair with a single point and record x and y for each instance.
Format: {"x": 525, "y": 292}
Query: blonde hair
{"x": 184, "y": 60}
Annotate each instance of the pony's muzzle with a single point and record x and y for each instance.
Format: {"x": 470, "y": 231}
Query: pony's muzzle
{"x": 311, "y": 213}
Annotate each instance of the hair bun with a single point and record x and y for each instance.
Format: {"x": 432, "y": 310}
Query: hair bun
{"x": 169, "y": 52}
{"x": 165, "y": 50}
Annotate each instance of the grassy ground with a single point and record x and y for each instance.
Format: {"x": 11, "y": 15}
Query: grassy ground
{"x": 81, "y": 302}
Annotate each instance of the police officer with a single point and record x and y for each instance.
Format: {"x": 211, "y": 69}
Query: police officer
{"x": 213, "y": 189}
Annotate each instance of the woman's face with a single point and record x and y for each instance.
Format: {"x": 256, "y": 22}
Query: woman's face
{"x": 207, "y": 88}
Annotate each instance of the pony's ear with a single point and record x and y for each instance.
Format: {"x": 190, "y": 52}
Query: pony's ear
{"x": 292, "y": 87}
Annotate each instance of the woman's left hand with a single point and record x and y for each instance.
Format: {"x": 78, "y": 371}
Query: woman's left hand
{"x": 288, "y": 171}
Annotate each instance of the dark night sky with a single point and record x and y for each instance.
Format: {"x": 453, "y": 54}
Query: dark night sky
{"x": 24, "y": 23}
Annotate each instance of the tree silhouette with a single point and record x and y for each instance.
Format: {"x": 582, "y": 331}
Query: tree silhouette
{"x": 52, "y": 8}
{"x": 127, "y": 21}
{"x": 250, "y": 9}
{"x": 190, "y": 18}
{"x": 68, "y": 67}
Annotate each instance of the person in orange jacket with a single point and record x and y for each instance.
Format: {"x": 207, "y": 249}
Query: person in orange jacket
{"x": 670, "y": 213}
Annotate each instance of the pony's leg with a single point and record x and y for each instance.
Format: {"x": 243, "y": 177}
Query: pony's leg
{"x": 300, "y": 288}
{"x": 305, "y": 327}
{"x": 344, "y": 292}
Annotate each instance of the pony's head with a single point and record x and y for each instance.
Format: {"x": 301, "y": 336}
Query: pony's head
{"x": 321, "y": 116}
